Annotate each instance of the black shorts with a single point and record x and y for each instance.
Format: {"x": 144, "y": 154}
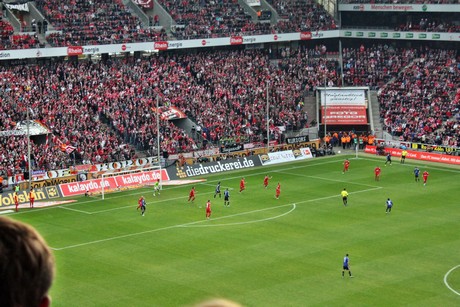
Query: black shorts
{"x": 345, "y": 267}
{"x": 345, "y": 197}
{"x": 226, "y": 198}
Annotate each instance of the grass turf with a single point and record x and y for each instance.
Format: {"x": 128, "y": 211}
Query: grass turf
{"x": 261, "y": 251}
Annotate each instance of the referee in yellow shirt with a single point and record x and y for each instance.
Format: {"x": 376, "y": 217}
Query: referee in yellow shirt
{"x": 344, "y": 194}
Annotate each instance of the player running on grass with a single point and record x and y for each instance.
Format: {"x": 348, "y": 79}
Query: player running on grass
{"x": 141, "y": 204}
{"x": 346, "y": 165}
{"x": 191, "y": 195}
{"x": 278, "y": 191}
{"x": 208, "y": 209}
{"x": 266, "y": 181}
{"x": 242, "y": 185}
{"x": 425, "y": 177}
{"x": 227, "y": 198}
{"x": 218, "y": 190}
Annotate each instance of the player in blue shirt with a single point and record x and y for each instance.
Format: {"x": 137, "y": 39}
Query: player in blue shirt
{"x": 226, "y": 198}
{"x": 388, "y": 159}
{"x": 417, "y": 174}
{"x": 346, "y": 266}
{"x": 218, "y": 190}
{"x": 389, "y": 205}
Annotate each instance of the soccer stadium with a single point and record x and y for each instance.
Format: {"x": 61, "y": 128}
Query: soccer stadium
{"x": 230, "y": 152}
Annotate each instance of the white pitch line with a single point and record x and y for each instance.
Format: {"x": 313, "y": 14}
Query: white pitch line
{"x": 445, "y": 279}
{"x": 201, "y": 221}
{"x": 249, "y": 222}
{"x": 329, "y": 179}
{"x": 76, "y": 210}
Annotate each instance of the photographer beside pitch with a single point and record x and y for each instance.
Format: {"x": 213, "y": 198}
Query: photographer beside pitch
{"x": 26, "y": 266}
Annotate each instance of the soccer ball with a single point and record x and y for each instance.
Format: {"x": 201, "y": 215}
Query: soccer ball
{"x": 338, "y": 151}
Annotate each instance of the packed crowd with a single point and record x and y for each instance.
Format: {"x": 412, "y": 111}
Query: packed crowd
{"x": 430, "y": 25}
{"x": 9, "y": 40}
{"x": 423, "y": 103}
{"x": 374, "y": 66}
{"x": 94, "y": 22}
{"x": 106, "y": 109}
{"x": 301, "y": 15}
{"x": 197, "y": 19}
{"x": 102, "y": 108}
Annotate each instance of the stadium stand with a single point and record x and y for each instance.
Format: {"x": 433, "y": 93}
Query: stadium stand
{"x": 422, "y": 103}
{"x": 94, "y": 22}
{"x": 297, "y": 15}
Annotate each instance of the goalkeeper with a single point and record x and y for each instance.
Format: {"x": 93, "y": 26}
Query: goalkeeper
{"x": 156, "y": 188}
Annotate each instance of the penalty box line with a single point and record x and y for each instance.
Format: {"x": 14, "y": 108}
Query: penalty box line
{"x": 201, "y": 221}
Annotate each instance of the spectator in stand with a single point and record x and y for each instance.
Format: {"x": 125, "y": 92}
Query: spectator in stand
{"x": 93, "y": 23}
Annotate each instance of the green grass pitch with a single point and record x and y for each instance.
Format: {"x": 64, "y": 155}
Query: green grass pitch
{"x": 261, "y": 251}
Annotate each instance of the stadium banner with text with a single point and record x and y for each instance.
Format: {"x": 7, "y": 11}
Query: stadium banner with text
{"x": 286, "y": 156}
{"x": 147, "y": 4}
{"x": 395, "y": 144}
{"x": 418, "y": 155}
{"x": 45, "y": 193}
{"x": 252, "y": 2}
{"x": 298, "y": 139}
{"x": 18, "y": 6}
{"x": 344, "y": 115}
{"x": 210, "y": 168}
{"x": 333, "y": 97}
{"x": 112, "y": 183}
{"x": 125, "y": 165}
{"x": 403, "y": 8}
{"x": 34, "y": 53}
{"x": 48, "y": 182}
{"x": 434, "y": 148}
{"x": 345, "y": 106}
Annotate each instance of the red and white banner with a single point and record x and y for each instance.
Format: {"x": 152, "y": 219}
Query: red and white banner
{"x": 344, "y": 115}
{"x": 170, "y": 113}
{"x": 147, "y": 4}
{"x": 418, "y": 155}
{"x": 112, "y": 183}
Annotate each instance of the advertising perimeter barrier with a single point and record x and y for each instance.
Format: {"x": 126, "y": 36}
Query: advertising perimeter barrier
{"x": 417, "y": 155}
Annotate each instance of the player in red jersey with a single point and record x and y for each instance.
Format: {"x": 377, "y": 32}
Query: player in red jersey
{"x": 16, "y": 200}
{"x": 346, "y": 164}
{"x": 31, "y": 198}
{"x": 377, "y": 171}
{"x": 208, "y": 209}
{"x": 425, "y": 177}
{"x": 266, "y": 181}
{"x": 278, "y": 191}
{"x": 141, "y": 205}
{"x": 191, "y": 196}
{"x": 242, "y": 185}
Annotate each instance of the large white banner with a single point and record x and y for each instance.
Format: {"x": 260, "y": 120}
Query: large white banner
{"x": 20, "y": 7}
{"x": 253, "y": 2}
{"x": 286, "y": 156}
{"x": 343, "y": 97}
